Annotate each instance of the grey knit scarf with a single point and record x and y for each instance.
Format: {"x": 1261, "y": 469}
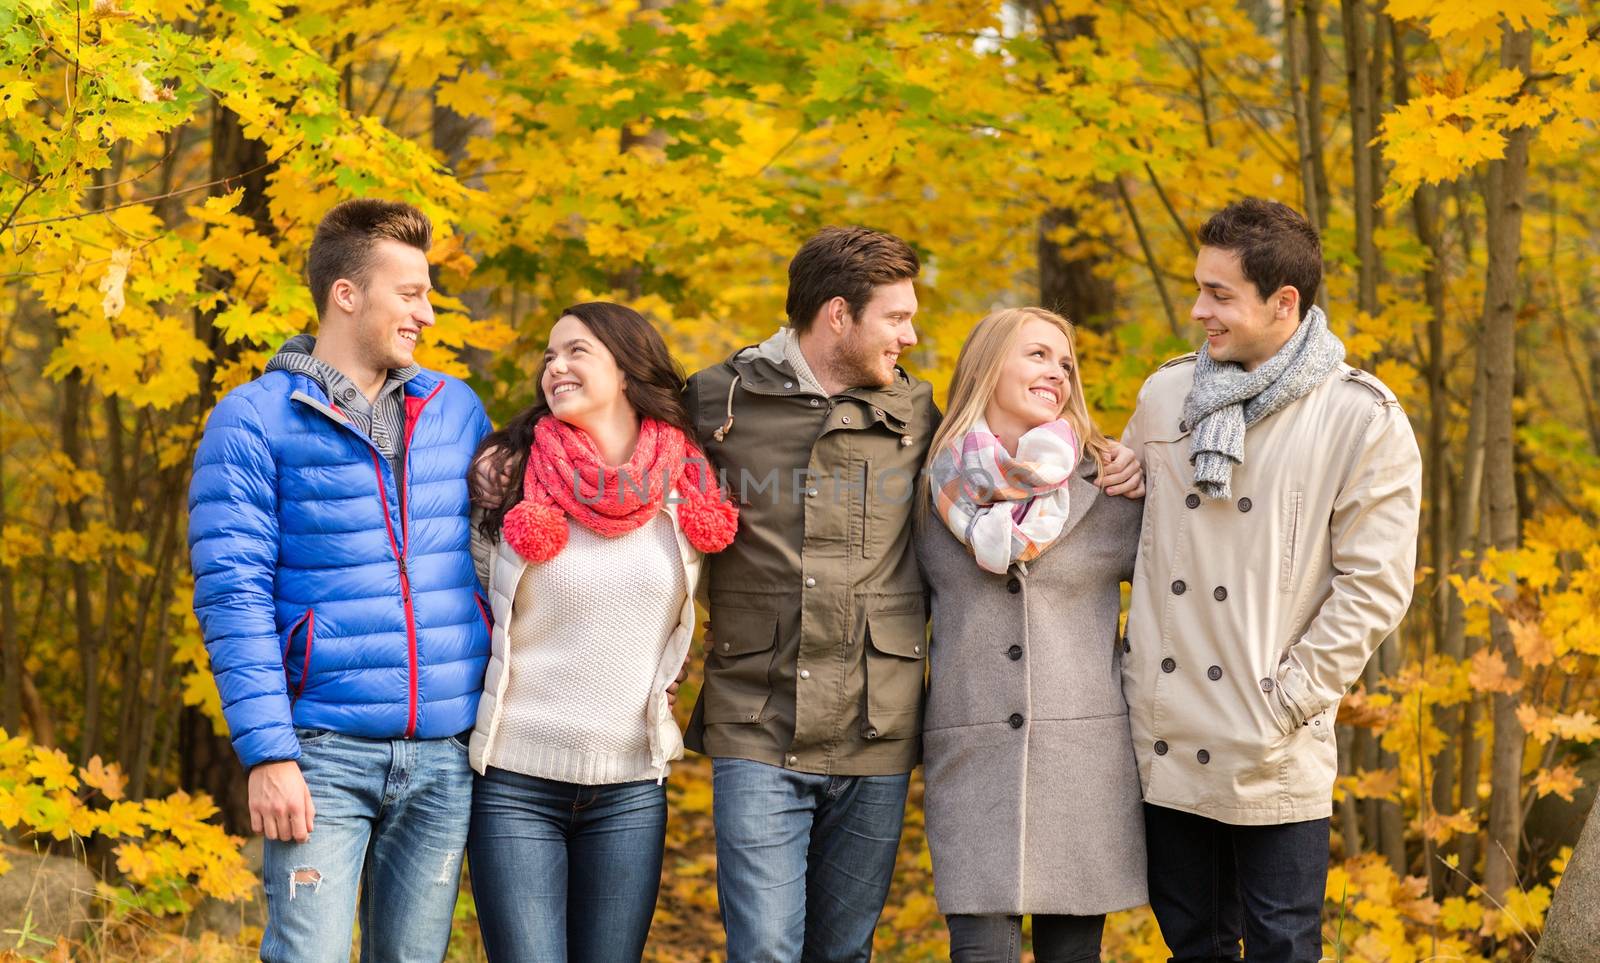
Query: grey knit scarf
{"x": 1226, "y": 399}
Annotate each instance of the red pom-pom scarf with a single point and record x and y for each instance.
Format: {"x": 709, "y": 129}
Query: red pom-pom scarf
{"x": 566, "y": 479}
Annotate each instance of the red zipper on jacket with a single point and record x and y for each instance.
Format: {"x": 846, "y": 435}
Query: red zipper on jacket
{"x": 403, "y": 548}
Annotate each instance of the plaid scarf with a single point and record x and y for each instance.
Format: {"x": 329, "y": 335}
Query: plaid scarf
{"x": 1005, "y": 508}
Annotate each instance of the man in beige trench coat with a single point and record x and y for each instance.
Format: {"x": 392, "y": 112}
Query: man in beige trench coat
{"x": 1277, "y": 553}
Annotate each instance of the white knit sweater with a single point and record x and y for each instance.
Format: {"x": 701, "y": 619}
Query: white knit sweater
{"x": 582, "y": 650}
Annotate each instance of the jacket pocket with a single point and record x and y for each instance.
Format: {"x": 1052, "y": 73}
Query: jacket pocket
{"x": 483, "y": 610}
{"x": 737, "y": 686}
{"x": 897, "y": 642}
{"x": 1293, "y": 508}
{"x": 297, "y": 680}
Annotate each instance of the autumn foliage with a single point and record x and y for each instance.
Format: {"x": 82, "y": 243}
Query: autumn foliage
{"x": 163, "y": 163}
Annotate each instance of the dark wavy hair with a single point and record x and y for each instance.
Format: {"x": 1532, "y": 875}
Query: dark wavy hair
{"x": 654, "y": 387}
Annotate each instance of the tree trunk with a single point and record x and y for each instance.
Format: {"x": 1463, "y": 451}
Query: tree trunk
{"x": 1572, "y": 928}
{"x": 1070, "y": 286}
{"x": 1505, "y": 199}
{"x": 10, "y": 637}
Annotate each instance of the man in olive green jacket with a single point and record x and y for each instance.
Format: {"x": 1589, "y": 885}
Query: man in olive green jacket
{"x": 812, "y": 701}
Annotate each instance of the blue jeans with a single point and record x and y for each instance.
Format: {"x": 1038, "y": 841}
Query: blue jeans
{"x": 565, "y": 872}
{"x": 803, "y": 861}
{"x": 1213, "y": 884}
{"x": 390, "y": 827}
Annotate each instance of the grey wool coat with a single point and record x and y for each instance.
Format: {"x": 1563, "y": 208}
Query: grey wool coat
{"x": 1032, "y": 796}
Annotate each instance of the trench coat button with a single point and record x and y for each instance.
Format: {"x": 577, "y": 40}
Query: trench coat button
{"x": 1183, "y": 426}
{"x": 1266, "y": 685}
{"x": 1193, "y": 501}
{"x": 1214, "y": 673}
{"x": 811, "y": 493}
{"x": 1169, "y": 664}
{"x": 1178, "y": 588}
{"x": 816, "y": 402}
{"x": 788, "y": 384}
{"x": 1014, "y": 653}
{"x": 872, "y": 733}
{"x": 916, "y": 650}
{"x": 810, "y": 582}
{"x": 1245, "y": 504}
{"x": 1203, "y": 756}
{"x": 1013, "y": 585}
{"x": 845, "y": 419}
{"x": 793, "y": 760}
{"x": 727, "y": 646}
{"x": 1161, "y": 747}
{"x": 877, "y": 412}
{"x": 805, "y": 673}
{"x": 1016, "y": 720}
{"x": 905, "y": 441}
{"x": 1220, "y": 594}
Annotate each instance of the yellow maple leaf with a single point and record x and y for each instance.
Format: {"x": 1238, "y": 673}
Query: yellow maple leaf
{"x": 52, "y": 768}
{"x": 106, "y": 778}
{"x": 1561, "y": 780}
{"x": 1490, "y": 673}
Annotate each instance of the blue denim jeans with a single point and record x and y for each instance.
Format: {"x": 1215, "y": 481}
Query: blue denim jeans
{"x": 390, "y": 827}
{"x": 803, "y": 861}
{"x": 1213, "y": 884}
{"x": 565, "y": 872}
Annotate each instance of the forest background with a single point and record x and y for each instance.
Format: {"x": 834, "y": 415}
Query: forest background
{"x": 163, "y": 163}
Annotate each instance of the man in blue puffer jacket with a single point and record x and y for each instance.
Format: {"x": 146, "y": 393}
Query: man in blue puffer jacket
{"x": 328, "y": 533}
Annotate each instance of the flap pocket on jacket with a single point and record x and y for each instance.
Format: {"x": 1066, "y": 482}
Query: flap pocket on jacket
{"x": 903, "y": 633}
{"x": 739, "y": 632}
{"x": 897, "y": 641}
{"x": 737, "y": 684}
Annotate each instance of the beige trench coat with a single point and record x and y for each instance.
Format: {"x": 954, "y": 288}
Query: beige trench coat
{"x": 1250, "y": 618}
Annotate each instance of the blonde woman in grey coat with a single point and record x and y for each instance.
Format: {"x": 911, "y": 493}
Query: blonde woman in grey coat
{"x": 1032, "y": 800}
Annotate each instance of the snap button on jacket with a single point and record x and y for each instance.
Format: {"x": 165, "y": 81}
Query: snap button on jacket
{"x": 1313, "y": 566}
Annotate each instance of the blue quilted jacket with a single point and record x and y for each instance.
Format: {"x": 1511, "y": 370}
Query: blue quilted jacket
{"x": 330, "y": 594}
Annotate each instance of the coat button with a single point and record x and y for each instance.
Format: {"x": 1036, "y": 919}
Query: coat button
{"x": 872, "y": 733}
{"x": 816, "y": 402}
{"x": 1203, "y": 756}
{"x": 805, "y": 673}
{"x": 1193, "y": 501}
{"x": 727, "y": 646}
{"x": 1178, "y": 588}
{"x": 810, "y": 582}
{"x": 1245, "y": 504}
{"x": 905, "y": 441}
{"x": 1016, "y": 720}
{"x": 1013, "y": 585}
{"x": 845, "y": 419}
{"x": 1161, "y": 747}
{"x": 1169, "y": 664}
{"x": 1014, "y": 653}
{"x": 916, "y": 650}
{"x": 788, "y": 384}
{"x": 1183, "y": 426}
{"x": 1266, "y": 685}
{"x": 794, "y": 760}
{"x": 1214, "y": 673}
{"x": 1220, "y": 594}
{"x": 811, "y": 493}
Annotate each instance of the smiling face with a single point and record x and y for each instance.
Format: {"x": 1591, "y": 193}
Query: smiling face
{"x": 391, "y": 310}
{"x": 1034, "y": 381}
{"x": 581, "y": 382}
{"x": 1240, "y": 325}
{"x": 867, "y": 354}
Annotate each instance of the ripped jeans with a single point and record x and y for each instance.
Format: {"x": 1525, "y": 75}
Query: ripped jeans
{"x": 390, "y": 827}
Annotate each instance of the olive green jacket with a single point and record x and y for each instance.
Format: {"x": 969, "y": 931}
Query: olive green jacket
{"x": 818, "y": 610}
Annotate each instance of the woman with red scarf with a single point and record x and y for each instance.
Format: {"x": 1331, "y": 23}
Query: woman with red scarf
{"x": 592, "y": 508}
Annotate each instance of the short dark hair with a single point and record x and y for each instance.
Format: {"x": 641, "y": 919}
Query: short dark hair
{"x": 844, "y": 262}
{"x": 1275, "y": 244}
{"x": 342, "y": 245}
